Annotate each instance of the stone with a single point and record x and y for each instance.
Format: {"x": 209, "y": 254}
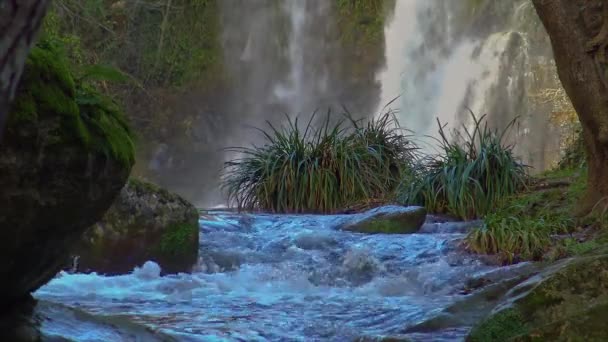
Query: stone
{"x": 566, "y": 302}
{"x": 145, "y": 223}
{"x": 62, "y": 163}
{"x": 391, "y": 219}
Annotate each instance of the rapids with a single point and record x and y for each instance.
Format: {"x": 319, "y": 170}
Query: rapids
{"x": 285, "y": 278}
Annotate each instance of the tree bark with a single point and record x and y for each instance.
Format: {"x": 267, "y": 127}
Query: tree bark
{"x": 578, "y": 30}
{"x": 19, "y": 23}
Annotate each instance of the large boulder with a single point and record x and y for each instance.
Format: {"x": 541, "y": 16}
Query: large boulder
{"x": 392, "y": 219}
{"x": 65, "y": 154}
{"x": 144, "y": 223}
{"x": 566, "y": 302}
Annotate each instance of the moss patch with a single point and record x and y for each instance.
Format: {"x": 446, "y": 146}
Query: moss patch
{"x": 503, "y": 326}
{"x": 48, "y": 92}
{"x": 566, "y": 302}
{"x": 177, "y": 239}
{"x": 141, "y": 186}
{"x": 388, "y": 226}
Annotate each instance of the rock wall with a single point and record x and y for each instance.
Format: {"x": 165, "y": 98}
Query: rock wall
{"x": 65, "y": 155}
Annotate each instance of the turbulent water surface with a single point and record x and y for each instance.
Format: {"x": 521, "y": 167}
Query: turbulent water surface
{"x": 284, "y": 278}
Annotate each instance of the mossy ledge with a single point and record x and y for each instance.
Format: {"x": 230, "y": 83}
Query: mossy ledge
{"x": 568, "y": 301}
{"x": 48, "y": 89}
{"x": 62, "y": 164}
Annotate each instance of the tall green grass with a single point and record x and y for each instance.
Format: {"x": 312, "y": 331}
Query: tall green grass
{"x": 472, "y": 172}
{"x": 320, "y": 169}
{"x": 522, "y": 225}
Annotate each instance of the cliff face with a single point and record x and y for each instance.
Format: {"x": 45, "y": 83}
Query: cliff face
{"x": 65, "y": 155}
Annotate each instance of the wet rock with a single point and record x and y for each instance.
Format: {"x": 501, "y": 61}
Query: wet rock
{"x": 388, "y": 220}
{"x": 566, "y": 302}
{"x": 484, "y": 294}
{"x": 315, "y": 241}
{"x": 448, "y": 227}
{"x": 62, "y": 163}
{"x": 30, "y": 323}
{"x": 144, "y": 223}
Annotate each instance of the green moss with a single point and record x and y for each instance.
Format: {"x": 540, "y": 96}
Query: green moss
{"x": 46, "y": 87}
{"x": 574, "y": 247}
{"x": 387, "y": 226}
{"x": 108, "y": 130}
{"x": 48, "y": 92}
{"x": 177, "y": 239}
{"x": 384, "y": 226}
{"x": 503, "y": 326}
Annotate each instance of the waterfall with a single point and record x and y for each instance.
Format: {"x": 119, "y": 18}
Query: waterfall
{"x": 491, "y": 56}
{"x": 289, "y": 57}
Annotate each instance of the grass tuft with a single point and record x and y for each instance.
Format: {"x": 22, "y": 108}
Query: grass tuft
{"x": 524, "y": 225}
{"x": 472, "y": 173}
{"x": 320, "y": 169}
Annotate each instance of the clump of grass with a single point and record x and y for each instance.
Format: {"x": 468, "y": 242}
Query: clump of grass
{"x": 320, "y": 169}
{"x": 471, "y": 174}
{"x": 522, "y": 226}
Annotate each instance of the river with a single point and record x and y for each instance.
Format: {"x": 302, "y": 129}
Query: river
{"x": 285, "y": 278}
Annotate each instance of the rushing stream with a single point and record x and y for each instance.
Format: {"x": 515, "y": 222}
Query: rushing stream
{"x": 284, "y": 278}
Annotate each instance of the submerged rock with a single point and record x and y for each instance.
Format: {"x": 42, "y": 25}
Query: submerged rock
{"x": 566, "y": 302}
{"x": 391, "y": 219}
{"x": 65, "y": 154}
{"x": 144, "y": 223}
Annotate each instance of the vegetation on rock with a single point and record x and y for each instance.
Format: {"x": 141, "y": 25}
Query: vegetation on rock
{"x": 388, "y": 220}
{"x": 144, "y": 223}
{"x": 566, "y": 302}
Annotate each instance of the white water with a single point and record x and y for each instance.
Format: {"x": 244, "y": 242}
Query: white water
{"x": 446, "y": 57}
{"x": 284, "y": 278}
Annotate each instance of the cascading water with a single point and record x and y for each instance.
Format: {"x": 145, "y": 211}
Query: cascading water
{"x": 488, "y": 56}
{"x": 286, "y": 278}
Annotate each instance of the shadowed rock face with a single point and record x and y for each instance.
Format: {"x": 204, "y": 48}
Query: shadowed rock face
{"x": 144, "y": 223}
{"x": 566, "y": 302}
{"x": 58, "y": 174}
{"x": 388, "y": 220}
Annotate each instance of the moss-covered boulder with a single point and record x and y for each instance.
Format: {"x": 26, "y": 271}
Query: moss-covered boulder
{"x": 392, "y": 219}
{"x": 566, "y": 302}
{"x": 65, "y": 154}
{"x": 144, "y": 223}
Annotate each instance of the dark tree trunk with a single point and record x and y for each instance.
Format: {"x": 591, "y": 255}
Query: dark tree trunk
{"x": 579, "y": 34}
{"x": 19, "y": 23}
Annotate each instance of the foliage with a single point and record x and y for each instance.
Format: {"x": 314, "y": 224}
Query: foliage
{"x": 320, "y": 169}
{"x": 469, "y": 177}
{"x": 158, "y": 42}
{"x": 522, "y": 225}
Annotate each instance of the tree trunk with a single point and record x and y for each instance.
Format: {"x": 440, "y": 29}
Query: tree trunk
{"x": 19, "y": 23}
{"x": 579, "y": 35}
